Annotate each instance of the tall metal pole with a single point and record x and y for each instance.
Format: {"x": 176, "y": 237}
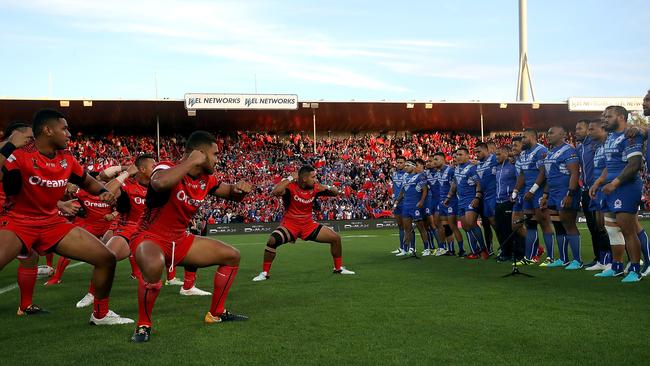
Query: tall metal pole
{"x": 523, "y": 80}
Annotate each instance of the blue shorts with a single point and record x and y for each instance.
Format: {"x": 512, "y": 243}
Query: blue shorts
{"x": 533, "y": 203}
{"x": 465, "y": 206}
{"x": 451, "y": 210}
{"x": 555, "y": 198}
{"x": 518, "y": 205}
{"x": 596, "y": 204}
{"x": 489, "y": 206}
{"x": 626, "y": 198}
{"x": 411, "y": 211}
{"x": 431, "y": 207}
{"x": 398, "y": 210}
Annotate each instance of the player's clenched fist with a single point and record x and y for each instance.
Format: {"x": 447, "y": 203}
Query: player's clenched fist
{"x": 107, "y": 197}
{"x": 243, "y": 187}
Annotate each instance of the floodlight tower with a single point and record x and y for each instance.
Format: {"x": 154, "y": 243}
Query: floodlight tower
{"x": 524, "y": 82}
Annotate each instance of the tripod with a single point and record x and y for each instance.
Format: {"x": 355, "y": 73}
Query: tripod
{"x": 515, "y": 268}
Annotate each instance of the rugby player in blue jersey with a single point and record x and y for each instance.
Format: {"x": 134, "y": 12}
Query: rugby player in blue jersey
{"x": 529, "y": 182}
{"x": 561, "y": 197}
{"x": 621, "y": 187}
{"x": 431, "y": 210}
{"x": 448, "y": 206}
{"x": 413, "y": 196}
{"x": 467, "y": 187}
{"x": 486, "y": 170}
{"x": 398, "y": 181}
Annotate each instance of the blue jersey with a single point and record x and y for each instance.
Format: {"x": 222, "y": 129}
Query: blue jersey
{"x": 618, "y": 149}
{"x": 432, "y": 182}
{"x": 530, "y": 162}
{"x": 413, "y": 186}
{"x": 555, "y": 163}
{"x": 586, "y": 150}
{"x": 599, "y": 160}
{"x": 486, "y": 170}
{"x": 445, "y": 177}
{"x": 398, "y": 181}
{"x": 506, "y": 180}
{"x": 466, "y": 178}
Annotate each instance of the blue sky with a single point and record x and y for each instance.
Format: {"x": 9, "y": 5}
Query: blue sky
{"x": 331, "y": 50}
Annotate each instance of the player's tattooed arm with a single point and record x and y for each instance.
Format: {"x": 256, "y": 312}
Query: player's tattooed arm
{"x": 630, "y": 171}
{"x": 279, "y": 188}
{"x": 165, "y": 179}
{"x": 233, "y": 192}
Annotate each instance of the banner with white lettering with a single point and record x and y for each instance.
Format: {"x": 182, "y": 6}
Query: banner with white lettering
{"x": 197, "y": 101}
{"x": 580, "y": 104}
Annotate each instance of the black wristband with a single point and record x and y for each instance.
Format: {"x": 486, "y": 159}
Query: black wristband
{"x": 102, "y": 191}
{"x": 7, "y": 149}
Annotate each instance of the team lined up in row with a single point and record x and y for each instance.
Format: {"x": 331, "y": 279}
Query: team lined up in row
{"x": 520, "y": 187}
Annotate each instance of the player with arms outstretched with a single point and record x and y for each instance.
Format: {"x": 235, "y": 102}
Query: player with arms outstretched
{"x": 298, "y": 193}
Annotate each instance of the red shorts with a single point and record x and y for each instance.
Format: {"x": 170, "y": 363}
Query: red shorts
{"x": 127, "y": 232}
{"x": 305, "y": 229}
{"x": 98, "y": 231}
{"x": 114, "y": 225}
{"x": 38, "y": 234}
{"x": 174, "y": 250}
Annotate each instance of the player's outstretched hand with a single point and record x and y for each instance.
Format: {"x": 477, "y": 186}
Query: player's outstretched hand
{"x": 20, "y": 139}
{"x": 107, "y": 197}
{"x": 243, "y": 188}
{"x": 69, "y": 208}
{"x": 633, "y": 131}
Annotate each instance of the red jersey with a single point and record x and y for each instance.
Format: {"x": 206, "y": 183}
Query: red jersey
{"x": 95, "y": 209}
{"x": 131, "y": 202}
{"x": 298, "y": 202}
{"x": 34, "y": 183}
{"x": 169, "y": 213}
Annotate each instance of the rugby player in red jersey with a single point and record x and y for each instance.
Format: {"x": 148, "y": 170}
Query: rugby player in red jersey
{"x": 95, "y": 217}
{"x": 175, "y": 193}
{"x": 298, "y": 193}
{"x": 35, "y": 176}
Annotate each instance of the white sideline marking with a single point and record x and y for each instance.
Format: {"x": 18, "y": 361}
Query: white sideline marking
{"x": 360, "y": 236}
{"x": 14, "y": 286}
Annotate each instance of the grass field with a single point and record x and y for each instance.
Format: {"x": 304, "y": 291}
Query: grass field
{"x": 429, "y": 311}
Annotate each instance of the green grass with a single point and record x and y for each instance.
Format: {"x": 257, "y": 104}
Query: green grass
{"x": 430, "y": 311}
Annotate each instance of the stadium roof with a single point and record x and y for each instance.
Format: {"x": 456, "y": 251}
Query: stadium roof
{"x": 139, "y": 116}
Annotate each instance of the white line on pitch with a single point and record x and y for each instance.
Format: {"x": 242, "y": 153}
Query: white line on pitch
{"x": 14, "y": 286}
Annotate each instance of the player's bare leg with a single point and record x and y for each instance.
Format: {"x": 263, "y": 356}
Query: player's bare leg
{"x": 10, "y": 247}
{"x": 119, "y": 247}
{"x": 207, "y": 252}
{"x": 278, "y": 237}
{"x": 81, "y": 245}
{"x": 327, "y": 235}
{"x": 474, "y": 235}
{"x": 151, "y": 261}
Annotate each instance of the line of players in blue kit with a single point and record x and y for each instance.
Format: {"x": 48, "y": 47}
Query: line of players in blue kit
{"x": 521, "y": 188}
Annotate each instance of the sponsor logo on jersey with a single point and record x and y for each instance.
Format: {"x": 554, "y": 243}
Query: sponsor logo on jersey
{"x": 302, "y": 200}
{"x": 49, "y": 183}
{"x": 182, "y": 196}
{"x": 64, "y": 164}
{"x": 139, "y": 200}
{"x": 96, "y": 204}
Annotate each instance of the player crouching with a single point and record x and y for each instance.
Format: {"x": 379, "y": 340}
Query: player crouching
{"x": 298, "y": 193}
